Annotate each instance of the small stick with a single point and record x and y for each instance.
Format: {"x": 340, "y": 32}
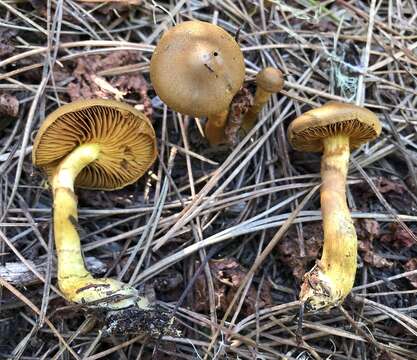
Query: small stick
{"x": 18, "y": 274}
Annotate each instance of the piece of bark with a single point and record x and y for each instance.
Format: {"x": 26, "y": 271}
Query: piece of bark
{"x": 18, "y": 274}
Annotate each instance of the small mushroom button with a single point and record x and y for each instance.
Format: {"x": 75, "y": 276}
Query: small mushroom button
{"x": 269, "y": 81}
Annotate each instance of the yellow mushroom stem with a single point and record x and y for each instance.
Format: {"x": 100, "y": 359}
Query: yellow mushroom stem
{"x": 331, "y": 280}
{"x": 215, "y": 128}
{"x": 261, "y": 98}
{"x": 74, "y": 280}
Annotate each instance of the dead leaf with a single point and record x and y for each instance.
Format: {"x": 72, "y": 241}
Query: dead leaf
{"x": 9, "y": 105}
{"x": 6, "y": 47}
{"x": 367, "y": 231}
{"x": 135, "y": 84}
{"x": 402, "y": 238}
{"x": 120, "y": 8}
{"x": 228, "y": 275}
{"x": 84, "y": 86}
{"x": 366, "y": 249}
{"x": 384, "y": 185}
{"x": 398, "y": 237}
{"x": 411, "y": 265}
{"x": 392, "y": 189}
{"x": 371, "y": 228}
{"x": 289, "y": 253}
{"x": 239, "y": 106}
{"x": 89, "y": 84}
{"x": 9, "y": 109}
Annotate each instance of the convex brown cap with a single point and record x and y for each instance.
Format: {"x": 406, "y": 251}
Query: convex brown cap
{"x": 306, "y": 132}
{"x": 197, "y": 68}
{"x": 125, "y": 135}
{"x": 270, "y": 80}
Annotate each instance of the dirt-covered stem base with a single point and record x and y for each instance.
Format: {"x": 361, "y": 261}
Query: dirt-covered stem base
{"x": 261, "y": 98}
{"x": 122, "y": 307}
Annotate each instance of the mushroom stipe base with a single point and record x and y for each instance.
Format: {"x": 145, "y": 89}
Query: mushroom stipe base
{"x": 331, "y": 280}
{"x": 214, "y": 128}
{"x": 249, "y": 120}
{"x": 269, "y": 81}
{"x": 125, "y": 310}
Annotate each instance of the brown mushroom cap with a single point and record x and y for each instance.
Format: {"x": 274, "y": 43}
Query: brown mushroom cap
{"x": 125, "y": 135}
{"x": 306, "y": 132}
{"x": 197, "y": 68}
{"x": 270, "y": 79}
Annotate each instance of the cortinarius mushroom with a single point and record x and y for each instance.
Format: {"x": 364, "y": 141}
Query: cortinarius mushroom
{"x": 268, "y": 81}
{"x": 333, "y": 129}
{"x": 196, "y": 69}
{"x": 96, "y": 144}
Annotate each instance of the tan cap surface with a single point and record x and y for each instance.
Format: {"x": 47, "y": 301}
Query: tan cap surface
{"x": 306, "y": 132}
{"x": 270, "y": 79}
{"x": 197, "y": 68}
{"x": 125, "y": 135}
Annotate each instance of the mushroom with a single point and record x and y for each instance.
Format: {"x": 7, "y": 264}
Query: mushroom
{"x": 196, "y": 69}
{"x": 333, "y": 129}
{"x": 268, "y": 81}
{"x": 95, "y": 144}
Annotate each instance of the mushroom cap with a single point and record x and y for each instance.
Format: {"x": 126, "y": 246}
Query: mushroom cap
{"x": 125, "y": 135}
{"x": 270, "y": 79}
{"x": 197, "y": 68}
{"x": 306, "y": 132}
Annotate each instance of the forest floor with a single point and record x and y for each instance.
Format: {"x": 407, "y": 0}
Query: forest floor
{"x": 214, "y": 210}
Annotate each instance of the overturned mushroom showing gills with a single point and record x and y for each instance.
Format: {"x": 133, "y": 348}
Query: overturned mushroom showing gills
{"x": 333, "y": 129}
{"x": 268, "y": 81}
{"x": 96, "y": 144}
{"x": 196, "y": 69}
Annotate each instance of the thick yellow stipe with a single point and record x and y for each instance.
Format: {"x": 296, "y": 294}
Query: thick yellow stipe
{"x": 70, "y": 261}
{"x": 261, "y": 98}
{"x": 74, "y": 280}
{"x": 331, "y": 280}
{"x": 214, "y": 129}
